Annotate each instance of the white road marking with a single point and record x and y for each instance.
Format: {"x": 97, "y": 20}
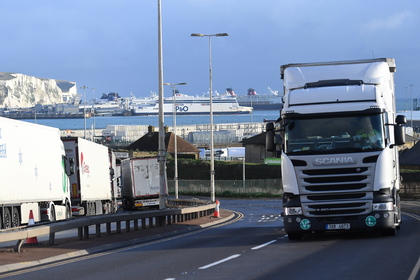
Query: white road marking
{"x": 219, "y": 262}
{"x": 263, "y": 245}
{"x": 415, "y": 271}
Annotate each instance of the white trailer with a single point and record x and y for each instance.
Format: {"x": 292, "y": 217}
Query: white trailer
{"x": 93, "y": 188}
{"x": 338, "y": 146}
{"x": 33, "y": 174}
{"x": 140, "y": 182}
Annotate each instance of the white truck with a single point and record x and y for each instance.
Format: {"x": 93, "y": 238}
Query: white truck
{"x": 34, "y": 174}
{"x": 93, "y": 187}
{"x": 337, "y": 138}
{"x": 140, "y": 183}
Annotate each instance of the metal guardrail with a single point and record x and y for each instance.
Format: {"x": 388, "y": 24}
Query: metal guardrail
{"x": 156, "y": 218}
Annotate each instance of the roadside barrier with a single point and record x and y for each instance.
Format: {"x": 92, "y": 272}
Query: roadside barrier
{"x": 154, "y": 218}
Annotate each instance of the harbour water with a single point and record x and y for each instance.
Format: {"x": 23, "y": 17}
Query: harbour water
{"x": 102, "y": 122}
{"x": 257, "y": 116}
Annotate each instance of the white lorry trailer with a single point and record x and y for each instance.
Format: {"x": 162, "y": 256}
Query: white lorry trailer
{"x": 140, "y": 183}
{"x": 93, "y": 188}
{"x": 337, "y": 137}
{"x": 34, "y": 174}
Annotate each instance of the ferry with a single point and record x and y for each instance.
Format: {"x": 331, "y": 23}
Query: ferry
{"x": 270, "y": 101}
{"x": 193, "y": 105}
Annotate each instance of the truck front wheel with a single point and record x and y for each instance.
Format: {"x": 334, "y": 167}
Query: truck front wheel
{"x": 52, "y": 213}
{"x": 128, "y": 204}
{"x": 389, "y": 231}
{"x": 68, "y": 211}
{"x": 295, "y": 236}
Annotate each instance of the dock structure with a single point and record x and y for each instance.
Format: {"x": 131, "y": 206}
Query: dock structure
{"x": 126, "y": 134}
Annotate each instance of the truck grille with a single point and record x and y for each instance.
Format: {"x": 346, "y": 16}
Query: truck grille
{"x": 332, "y": 192}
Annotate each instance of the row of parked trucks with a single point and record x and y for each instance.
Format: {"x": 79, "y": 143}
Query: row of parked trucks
{"x": 58, "y": 178}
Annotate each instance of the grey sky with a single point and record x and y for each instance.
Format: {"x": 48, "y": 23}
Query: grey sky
{"x": 112, "y": 45}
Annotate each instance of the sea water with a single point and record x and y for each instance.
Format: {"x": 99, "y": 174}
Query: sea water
{"x": 257, "y": 116}
{"x": 102, "y": 122}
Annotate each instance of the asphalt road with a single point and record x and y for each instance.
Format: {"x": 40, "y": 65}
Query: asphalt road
{"x": 253, "y": 247}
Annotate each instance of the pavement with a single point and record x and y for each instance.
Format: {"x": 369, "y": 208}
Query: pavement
{"x": 42, "y": 253}
{"x": 36, "y": 254}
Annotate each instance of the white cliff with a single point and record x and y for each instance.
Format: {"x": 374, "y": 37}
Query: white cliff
{"x": 22, "y": 91}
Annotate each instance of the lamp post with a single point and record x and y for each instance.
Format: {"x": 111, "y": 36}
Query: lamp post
{"x": 35, "y": 104}
{"x": 93, "y": 113}
{"x": 161, "y": 143}
{"x": 173, "y": 86}
{"x": 211, "y": 110}
{"x": 412, "y": 105}
{"x": 84, "y": 107}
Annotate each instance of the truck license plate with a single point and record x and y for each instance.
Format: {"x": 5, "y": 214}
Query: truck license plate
{"x": 338, "y": 226}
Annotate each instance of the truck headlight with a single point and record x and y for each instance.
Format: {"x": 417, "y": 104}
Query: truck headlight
{"x": 385, "y": 206}
{"x": 292, "y": 211}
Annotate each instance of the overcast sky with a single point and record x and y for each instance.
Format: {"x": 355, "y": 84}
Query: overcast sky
{"x": 112, "y": 45}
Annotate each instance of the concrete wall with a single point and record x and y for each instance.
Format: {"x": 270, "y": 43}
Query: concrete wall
{"x": 266, "y": 186}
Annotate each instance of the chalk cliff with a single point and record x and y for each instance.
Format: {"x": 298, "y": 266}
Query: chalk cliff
{"x": 21, "y": 91}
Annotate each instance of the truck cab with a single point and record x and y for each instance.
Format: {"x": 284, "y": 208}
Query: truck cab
{"x": 337, "y": 137}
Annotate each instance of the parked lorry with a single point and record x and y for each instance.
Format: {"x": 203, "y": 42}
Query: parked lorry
{"x": 34, "y": 174}
{"x": 337, "y": 138}
{"x": 140, "y": 183}
{"x": 93, "y": 185}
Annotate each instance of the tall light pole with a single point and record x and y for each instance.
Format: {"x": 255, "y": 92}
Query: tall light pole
{"x": 93, "y": 113}
{"x": 412, "y": 105}
{"x": 35, "y": 103}
{"x": 84, "y": 107}
{"x": 212, "y": 188}
{"x": 173, "y": 86}
{"x": 161, "y": 146}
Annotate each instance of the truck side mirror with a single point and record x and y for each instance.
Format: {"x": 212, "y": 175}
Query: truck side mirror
{"x": 269, "y": 137}
{"x": 399, "y": 130}
{"x": 401, "y": 119}
{"x": 69, "y": 166}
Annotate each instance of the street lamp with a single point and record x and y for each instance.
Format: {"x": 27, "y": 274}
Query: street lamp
{"x": 93, "y": 113}
{"x": 211, "y": 110}
{"x": 161, "y": 146}
{"x": 35, "y": 103}
{"x": 412, "y": 105}
{"x": 84, "y": 107}
{"x": 173, "y": 86}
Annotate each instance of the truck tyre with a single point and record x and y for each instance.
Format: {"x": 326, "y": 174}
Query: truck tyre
{"x": 7, "y": 223}
{"x": 128, "y": 204}
{"x": 295, "y": 236}
{"x": 68, "y": 211}
{"x": 399, "y": 219}
{"x": 52, "y": 213}
{"x": 389, "y": 231}
{"x": 15, "y": 217}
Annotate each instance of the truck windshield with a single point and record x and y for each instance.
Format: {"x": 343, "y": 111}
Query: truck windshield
{"x": 334, "y": 135}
